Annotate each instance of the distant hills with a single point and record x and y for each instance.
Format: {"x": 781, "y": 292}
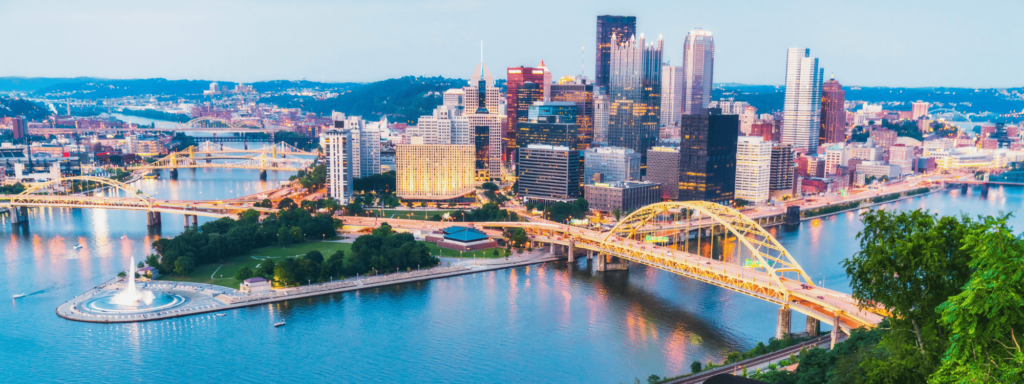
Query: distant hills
{"x": 94, "y": 88}
{"x": 10, "y": 107}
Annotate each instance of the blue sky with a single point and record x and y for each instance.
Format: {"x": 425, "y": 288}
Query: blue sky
{"x": 869, "y": 43}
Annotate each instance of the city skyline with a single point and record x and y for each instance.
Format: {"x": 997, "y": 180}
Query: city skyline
{"x": 227, "y": 41}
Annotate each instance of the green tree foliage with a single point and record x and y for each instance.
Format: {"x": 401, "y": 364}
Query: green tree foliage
{"x": 12, "y": 189}
{"x": 156, "y": 115}
{"x": 315, "y": 178}
{"x": 910, "y": 263}
{"x": 223, "y": 238}
{"x": 740, "y": 203}
{"x": 385, "y": 251}
{"x": 12, "y": 106}
{"x": 184, "y": 265}
{"x": 244, "y": 273}
{"x": 517, "y": 238}
{"x": 402, "y": 100}
{"x": 488, "y": 212}
{"x": 490, "y": 186}
{"x": 266, "y": 269}
{"x": 986, "y": 320}
{"x": 285, "y": 203}
{"x": 695, "y": 367}
{"x": 560, "y": 211}
{"x": 383, "y": 183}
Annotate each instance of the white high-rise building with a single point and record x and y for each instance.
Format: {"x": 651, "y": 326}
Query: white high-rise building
{"x": 753, "y": 168}
{"x": 445, "y": 126}
{"x": 671, "y": 95}
{"x": 337, "y": 154}
{"x": 485, "y": 121}
{"x": 698, "y": 68}
{"x": 802, "y": 108}
{"x": 362, "y": 149}
{"x": 601, "y": 106}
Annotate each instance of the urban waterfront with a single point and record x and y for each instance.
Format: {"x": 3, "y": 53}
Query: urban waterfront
{"x": 543, "y": 323}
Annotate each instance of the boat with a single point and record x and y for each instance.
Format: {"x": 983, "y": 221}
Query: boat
{"x": 124, "y": 237}
{"x": 221, "y": 315}
{"x": 151, "y": 175}
{"x": 20, "y": 295}
{"x": 281, "y": 324}
{"x": 78, "y": 246}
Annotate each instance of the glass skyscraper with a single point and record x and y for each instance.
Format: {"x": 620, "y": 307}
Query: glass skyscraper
{"x": 802, "y": 121}
{"x": 582, "y": 94}
{"x": 707, "y": 156}
{"x": 833, "y": 114}
{"x": 634, "y": 93}
{"x": 698, "y": 67}
{"x": 607, "y": 26}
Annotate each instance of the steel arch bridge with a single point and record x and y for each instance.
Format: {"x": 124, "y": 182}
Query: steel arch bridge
{"x": 192, "y": 123}
{"x": 281, "y": 148}
{"x": 262, "y": 162}
{"x": 776, "y": 277}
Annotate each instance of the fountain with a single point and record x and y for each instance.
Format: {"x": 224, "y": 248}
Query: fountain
{"x": 132, "y": 295}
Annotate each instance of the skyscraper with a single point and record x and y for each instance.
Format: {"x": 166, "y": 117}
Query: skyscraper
{"x": 802, "y": 121}
{"x": 707, "y": 156}
{"x": 516, "y": 78}
{"x": 600, "y": 119}
{"x": 698, "y": 65}
{"x": 920, "y": 108}
{"x": 634, "y": 92}
{"x": 581, "y": 93}
{"x": 485, "y": 121}
{"x": 337, "y": 154}
{"x": 833, "y": 114}
{"x": 753, "y": 168}
{"x": 671, "y": 95}
{"x": 607, "y": 26}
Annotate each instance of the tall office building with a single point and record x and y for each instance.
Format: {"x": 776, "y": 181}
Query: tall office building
{"x": 607, "y": 26}
{"x": 782, "y": 172}
{"x": 434, "y": 172}
{"x": 919, "y": 109}
{"x": 19, "y": 128}
{"x": 337, "y": 154}
{"x": 444, "y": 126}
{"x": 753, "y": 168}
{"x": 601, "y": 117}
{"x": 483, "y": 109}
{"x": 612, "y": 164}
{"x": 802, "y": 106}
{"x": 549, "y": 123}
{"x": 707, "y": 156}
{"x": 833, "y": 113}
{"x": 363, "y": 145}
{"x": 671, "y": 95}
{"x": 582, "y": 94}
{"x": 537, "y": 89}
{"x": 663, "y": 168}
{"x": 634, "y": 91}
{"x": 698, "y": 68}
{"x": 549, "y": 173}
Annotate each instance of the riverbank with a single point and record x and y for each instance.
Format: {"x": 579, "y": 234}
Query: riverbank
{"x": 870, "y": 205}
{"x": 208, "y": 298}
{"x": 755, "y": 363}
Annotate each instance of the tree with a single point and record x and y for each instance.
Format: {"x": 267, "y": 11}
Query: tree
{"x": 244, "y": 273}
{"x": 267, "y": 269}
{"x": 518, "y": 238}
{"x": 315, "y": 256}
{"x": 617, "y": 212}
{"x": 153, "y": 260}
{"x": 184, "y": 266}
{"x": 909, "y": 263}
{"x": 490, "y": 186}
{"x": 986, "y": 319}
{"x": 285, "y": 203}
{"x": 284, "y": 237}
{"x": 740, "y": 203}
{"x": 122, "y": 274}
{"x": 141, "y": 264}
{"x": 695, "y": 367}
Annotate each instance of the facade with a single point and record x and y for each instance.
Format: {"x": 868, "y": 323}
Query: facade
{"x": 634, "y": 95}
{"x": 836, "y": 155}
{"x": 19, "y": 128}
{"x": 607, "y": 26}
{"x": 363, "y": 144}
{"x": 918, "y": 110}
{"x": 663, "y": 168}
{"x": 548, "y": 130}
{"x": 255, "y": 284}
{"x": 434, "y": 171}
{"x": 610, "y": 164}
{"x": 455, "y": 97}
{"x": 782, "y": 172}
{"x": 337, "y": 155}
{"x": 483, "y": 109}
{"x": 883, "y": 137}
{"x": 698, "y": 67}
{"x": 582, "y": 94}
{"x": 623, "y": 195}
{"x": 516, "y": 101}
{"x": 879, "y": 169}
{"x": 550, "y": 173}
{"x": 833, "y": 114}
{"x": 902, "y": 156}
{"x": 444, "y": 126}
{"x": 753, "y": 168}
{"x": 672, "y": 80}
{"x": 802, "y": 105}
{"x": 601, "y": 117}
{"x": 707, "y": 156}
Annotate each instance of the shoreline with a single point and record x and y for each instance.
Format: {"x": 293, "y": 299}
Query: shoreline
{"x": 871, "y": 205}
{"x": 211, "y": 304}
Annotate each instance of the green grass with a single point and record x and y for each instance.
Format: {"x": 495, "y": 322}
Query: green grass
{"x": 482, "y": 254}
{"x": 416, "y": 215}
{"x": 231, "y": 266}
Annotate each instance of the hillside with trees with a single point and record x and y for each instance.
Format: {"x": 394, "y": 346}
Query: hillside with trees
{"x": 10, "y": 107}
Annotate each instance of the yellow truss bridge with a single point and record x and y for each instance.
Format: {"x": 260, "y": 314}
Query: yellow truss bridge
{"x": 134, "y": 200}
{"x": 262, "y": 161}
{"x": 282, "y": 148}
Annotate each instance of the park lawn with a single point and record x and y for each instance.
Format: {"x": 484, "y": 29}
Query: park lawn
{"x": 483, "y": 253}
{"x": 230, "y": 267}
{"x": 416, "y": 215}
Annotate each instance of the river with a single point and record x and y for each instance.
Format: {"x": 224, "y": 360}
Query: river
{"x": 546, "y": 323}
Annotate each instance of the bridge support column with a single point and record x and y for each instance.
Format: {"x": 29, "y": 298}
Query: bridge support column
{"x": 835, "y": 331}
{"x": 963, "y": 189}
{"x": 186, "y": 221}
{"x": 793, "y": 215}
{"x": 571, "y": 258}
{"x": 174, "y": 174}
{"x": 785, "y": 322}
{"x": 813, "y": 326}
{"x": 590, "y": 255}
{"x": 152, "y": 219}
{"x": 195, "y": 221}
{"x": 263, "y": 175}
{"x": 599, "y": 262}
{"x": 19, "y": 215}
{"x": 610, "y": 263}
{"x": 552, "y": 248}
{"x": 984, "y": 190}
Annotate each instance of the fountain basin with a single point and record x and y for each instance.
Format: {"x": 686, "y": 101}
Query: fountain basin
{"x": 107, "y": 304}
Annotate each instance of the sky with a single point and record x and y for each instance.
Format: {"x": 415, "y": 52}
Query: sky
{"x": 866, "y": 43}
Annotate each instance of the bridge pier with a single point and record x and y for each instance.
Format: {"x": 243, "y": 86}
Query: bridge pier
{"x": 152, "y": 219}
{"x": 19, "y": 215}
{"x": 208, "y": 161}
{"x": 793, "y": 215}
{"x": 263, "y": 175}
{"x": 610, "y": 263}
{"x": 174, "y": 174}
{"x": 963, "y": 189}
{"x": 984, "y": 190}
{"x": 813, "y": 327}
{"x": 195, "y": 221}
{"x": 782, "y": 329}
{"x": 835, "y": 331}
{"x": 571, "y": 258}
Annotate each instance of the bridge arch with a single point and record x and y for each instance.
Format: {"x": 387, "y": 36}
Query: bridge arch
{"x": 771, "y": 255}
{"x": 110, "y": 182}
{"x": 191, "y": 123}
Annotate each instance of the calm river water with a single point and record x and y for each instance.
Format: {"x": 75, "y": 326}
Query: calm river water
{"x": 547, "y": 323}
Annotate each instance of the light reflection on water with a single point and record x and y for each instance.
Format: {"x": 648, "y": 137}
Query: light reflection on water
{"x": 553, "y": 322}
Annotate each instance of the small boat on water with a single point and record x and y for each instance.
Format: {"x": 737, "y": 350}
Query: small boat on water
{"x": 124, "y": 237}
{"x": 151, "y": 175}
{"x": 281, "y": 324}
{"x": 221, "y": 315}
{"x": 78, "y": 246}
{"x": 18, "y": 296}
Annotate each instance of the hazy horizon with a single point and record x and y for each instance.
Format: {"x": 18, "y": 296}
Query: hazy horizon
{"x": 870, "y": 44}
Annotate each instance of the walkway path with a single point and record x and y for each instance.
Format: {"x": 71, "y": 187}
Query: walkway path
{"x": 759, "y": 362}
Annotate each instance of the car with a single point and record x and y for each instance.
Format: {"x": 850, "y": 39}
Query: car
{"x": 821, "y": 297}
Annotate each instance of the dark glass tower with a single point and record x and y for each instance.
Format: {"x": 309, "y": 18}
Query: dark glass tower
{"x": 833, "y": 115}
{"x": 606, "y": 26}
{"x": 583, "y": 95}
{"x": 634, "y": 92}
{"x": 707, "y": 156}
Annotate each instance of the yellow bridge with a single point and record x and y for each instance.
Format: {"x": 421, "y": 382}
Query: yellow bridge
{"x": 264, "y": 158}
{"x": 134, "y": 200}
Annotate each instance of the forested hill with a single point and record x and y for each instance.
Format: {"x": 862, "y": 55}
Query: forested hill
{"x": 10, "y": 107}
{"x": 90, "y": 88}
{"x": 402, "y": 100}
{"x": 29, "y": 84}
